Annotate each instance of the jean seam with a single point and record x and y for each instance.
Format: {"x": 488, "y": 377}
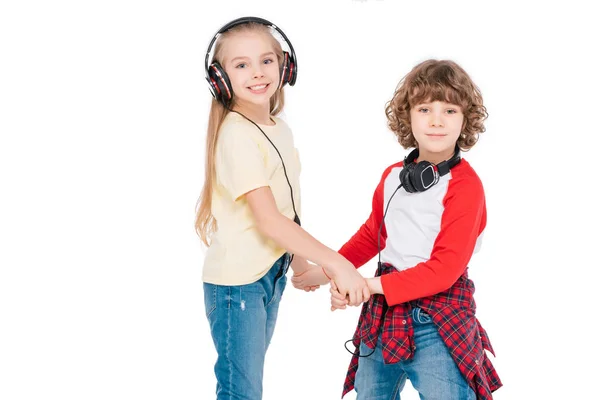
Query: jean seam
{"x": 214, "y": 302}
{"x": 395, "y": 392}
{"x": 227, "y": 351}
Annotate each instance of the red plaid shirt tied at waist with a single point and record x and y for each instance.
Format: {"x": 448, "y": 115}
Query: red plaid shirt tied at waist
{"x": 453, "y": 313}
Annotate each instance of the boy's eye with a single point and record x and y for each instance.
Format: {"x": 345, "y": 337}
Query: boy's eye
{"x": 451, "y": 111}
{"x": 423, "y": 109}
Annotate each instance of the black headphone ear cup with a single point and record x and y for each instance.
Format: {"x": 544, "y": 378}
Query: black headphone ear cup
{"x": 417, "y": 176}
{"x": 405, "y": 178}
{"x": 284, "y": 70}
{"x": 220, "y": 81}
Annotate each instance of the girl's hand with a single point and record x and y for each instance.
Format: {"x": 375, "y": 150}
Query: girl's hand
{"x": 309, "y": 280}
{"x": 350, "y": 283}
{"x": 338, "y": 300}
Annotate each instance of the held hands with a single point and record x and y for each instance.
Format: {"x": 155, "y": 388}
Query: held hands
{"x": 351, "y": 284}
{"x": 348, "y": 286}
{"x": 339, "y": 301}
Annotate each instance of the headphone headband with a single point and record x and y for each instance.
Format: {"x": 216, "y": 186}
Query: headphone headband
{"x": 444, "y": 167}
{"x": 245, "y": 20}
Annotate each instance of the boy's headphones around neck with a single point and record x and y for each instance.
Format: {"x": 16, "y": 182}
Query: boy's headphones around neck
{"x": 218, "y": 81}
{"x": 418, "y": 177}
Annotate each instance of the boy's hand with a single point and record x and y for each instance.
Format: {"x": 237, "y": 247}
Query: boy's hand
{"x": 309, "y": 280}
{"x": 374, "y": 285}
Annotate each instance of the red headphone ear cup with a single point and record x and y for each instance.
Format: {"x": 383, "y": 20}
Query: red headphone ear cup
{"x": 293, "y": 74}
{"x": 220, "y": 79}
{"x": 214, "y": 88}
{"x": 284, "y": 70}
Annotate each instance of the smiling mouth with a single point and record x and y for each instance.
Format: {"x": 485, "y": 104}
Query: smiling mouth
{"x": 259, "y": 87}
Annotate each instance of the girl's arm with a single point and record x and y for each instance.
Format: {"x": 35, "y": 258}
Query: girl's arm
{"x": 287, "y": 234}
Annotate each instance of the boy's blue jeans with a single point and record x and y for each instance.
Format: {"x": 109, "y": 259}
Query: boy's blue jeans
{"x": 432, "y": 370}
{"x": 242, "y": 320}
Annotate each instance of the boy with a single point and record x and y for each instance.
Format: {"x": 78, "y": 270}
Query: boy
{"x": 420, "y": 322}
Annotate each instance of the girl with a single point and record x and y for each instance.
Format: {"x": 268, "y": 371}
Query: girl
{"x": 247, "y": 211}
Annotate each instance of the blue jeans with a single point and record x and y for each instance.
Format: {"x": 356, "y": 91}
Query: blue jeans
{"x": 431, "y": 371}
{"x": 242, "y": 320}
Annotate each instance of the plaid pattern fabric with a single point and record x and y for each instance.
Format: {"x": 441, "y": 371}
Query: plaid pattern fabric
{"x": 453, "y": 313}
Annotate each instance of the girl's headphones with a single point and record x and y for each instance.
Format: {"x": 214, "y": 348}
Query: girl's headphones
{"x": 418, "y": 177}
{"x": 218, "y": 81}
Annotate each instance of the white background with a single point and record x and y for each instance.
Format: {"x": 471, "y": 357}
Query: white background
{"x": 103, "y": 111}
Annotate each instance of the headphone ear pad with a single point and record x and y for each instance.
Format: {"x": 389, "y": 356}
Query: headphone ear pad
{"x": 284, "y": 70}
{"x": 405, "y": 178}
{"x": 292, "y": 72}
{"x": 220, "y": 79}
{"x": 417, "y": 175}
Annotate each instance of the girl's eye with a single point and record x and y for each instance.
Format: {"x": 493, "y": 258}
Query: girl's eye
{"x": 242, "y": 65}
{"x": 268, "y": 61}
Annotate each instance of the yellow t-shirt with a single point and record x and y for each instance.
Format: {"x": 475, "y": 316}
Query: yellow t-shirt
{"x": 245, "y": 160}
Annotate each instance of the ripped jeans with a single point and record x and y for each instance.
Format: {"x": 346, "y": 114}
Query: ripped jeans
{"x": 242, "y": 320}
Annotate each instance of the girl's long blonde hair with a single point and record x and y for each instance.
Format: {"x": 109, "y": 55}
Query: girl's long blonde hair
{"x": 206, "y": 224}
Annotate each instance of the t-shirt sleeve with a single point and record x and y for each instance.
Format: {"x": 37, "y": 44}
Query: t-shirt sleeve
{"x": 363, "y": 245}
{"x": 239, "y": 162}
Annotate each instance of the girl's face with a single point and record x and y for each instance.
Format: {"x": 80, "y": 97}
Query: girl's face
{"x": 251, "y": 63}
{"x": 436, "y": 127}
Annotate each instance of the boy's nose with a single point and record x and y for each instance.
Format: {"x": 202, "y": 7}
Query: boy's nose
{"x": 435, "y": 120}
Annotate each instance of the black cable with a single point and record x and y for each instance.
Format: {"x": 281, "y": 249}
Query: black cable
{"x": 381, "y": 225}
{"x": 379, "y": 266}
{"x": 296, "y": 219}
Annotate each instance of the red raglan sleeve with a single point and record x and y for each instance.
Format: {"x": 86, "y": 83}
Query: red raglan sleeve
{"x": 362, "y": 246}
{"x": 463, "y": 220}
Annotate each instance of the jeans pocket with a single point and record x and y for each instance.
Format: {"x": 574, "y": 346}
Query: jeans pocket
{"x": 210, "y": 298}
{"x": 278, "y": 288}
{"x": 281, "y": 285}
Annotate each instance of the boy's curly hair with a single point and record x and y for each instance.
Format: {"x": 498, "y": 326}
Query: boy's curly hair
{"x": 437, "y": 80}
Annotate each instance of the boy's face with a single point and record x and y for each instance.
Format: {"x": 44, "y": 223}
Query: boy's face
{"x": 436, "y": 127}
{"x": 251, "y": 64}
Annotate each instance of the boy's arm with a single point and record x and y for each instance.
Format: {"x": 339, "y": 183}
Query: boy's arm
{"x": 362, "y": 246}
{"x": 462, "y": 222}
